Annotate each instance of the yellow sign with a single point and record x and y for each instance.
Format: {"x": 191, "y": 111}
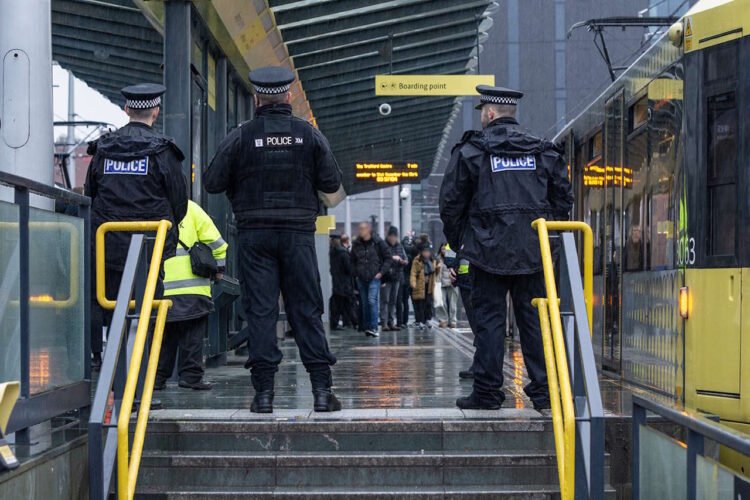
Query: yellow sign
{"x": 688, "y": 26}
{"x": 430, "y": 85}
{"x": 386, "y": 173}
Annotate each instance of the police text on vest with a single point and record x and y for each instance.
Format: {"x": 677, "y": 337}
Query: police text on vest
{"x": 506, "y": 163}
{"x": 132, "y": 167}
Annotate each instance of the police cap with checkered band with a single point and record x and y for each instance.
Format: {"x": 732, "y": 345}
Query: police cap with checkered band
{"x": 143, "y": 95}
{"x": 271, "y": 80}
{"x": 497, "y": 95}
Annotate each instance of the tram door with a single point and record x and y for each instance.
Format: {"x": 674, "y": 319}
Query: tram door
{"x": 613, "y": 160}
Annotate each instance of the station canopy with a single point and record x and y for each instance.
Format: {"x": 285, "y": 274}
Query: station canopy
{"x": 336, "y": 47}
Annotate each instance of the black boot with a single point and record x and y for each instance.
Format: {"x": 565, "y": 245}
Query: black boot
{"x": 325, "y": 399}
{"x": 474, "y": 402}
{"x": 466, "y": 374}
{"x": 263, "y": 385}
{"x": 262, "y": 402}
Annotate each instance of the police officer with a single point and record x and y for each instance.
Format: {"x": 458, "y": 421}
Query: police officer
{"x": 498, "y": 181}
{"x": 135, "y": 175}
{"x": 274, "y": 169}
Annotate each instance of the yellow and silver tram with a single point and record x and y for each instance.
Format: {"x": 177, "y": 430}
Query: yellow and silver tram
{"x": 661, "y": 167}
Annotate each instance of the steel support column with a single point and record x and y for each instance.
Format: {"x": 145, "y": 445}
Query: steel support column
{"x": 26, "y": 140}
{"x": 396, "y": 217}
{"x": 177, "y": 75}
{"x": 406, "y": 212}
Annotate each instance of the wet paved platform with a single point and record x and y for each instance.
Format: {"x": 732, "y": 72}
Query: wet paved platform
{"x": 408, "y": 374}
{"x": 408, "y": 369}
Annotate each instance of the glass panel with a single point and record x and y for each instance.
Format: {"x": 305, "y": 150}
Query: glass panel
{"x": 721, "y": 62}
{"x": 665, "y": 127}
{"x": 56, "y": 300}
{"x": 662, "y": 466}
{"x": 10, "y": 323}
{"x": 613, "y": 230}
{"x": 723, "y": 203}
{"x": 592, "y": 212}
{"x": 713, "y": 480}
{"x": 722, "y": 167}
{"x": 635, "y": 176}
{"x": 638, "y": 113}
{"x": 722, "y": 138}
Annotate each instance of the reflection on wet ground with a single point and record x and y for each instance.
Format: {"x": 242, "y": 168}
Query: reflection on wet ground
{"x": 407, "y": 369}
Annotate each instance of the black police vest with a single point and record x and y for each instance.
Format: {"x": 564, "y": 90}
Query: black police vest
{"x": 275, "y": 176}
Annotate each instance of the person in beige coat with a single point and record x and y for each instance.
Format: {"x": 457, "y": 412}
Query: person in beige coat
{"x": 424, "y": 271}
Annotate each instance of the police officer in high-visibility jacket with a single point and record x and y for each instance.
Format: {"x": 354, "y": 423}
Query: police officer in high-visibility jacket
{"x": 187, "y": 321}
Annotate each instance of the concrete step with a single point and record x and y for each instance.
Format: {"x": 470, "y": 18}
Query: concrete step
{"x": 365, "y": 469}
{"x": 342, "y": 436}
{"x": 411, "y": 455}
{"x": 541, "y": 492}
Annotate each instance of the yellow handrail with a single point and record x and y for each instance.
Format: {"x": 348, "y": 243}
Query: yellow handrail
{"x": 588, "y": 256}
{"x": 127, "y": 468}
{"x": 130, "y": 227}
{"x": 555, "y": 354}
{"x": 127, "y": 471}
{"x": 554, "y": 389}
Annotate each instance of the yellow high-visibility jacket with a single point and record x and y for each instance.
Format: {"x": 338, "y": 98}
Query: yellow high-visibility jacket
{"x": 178, "y": 274}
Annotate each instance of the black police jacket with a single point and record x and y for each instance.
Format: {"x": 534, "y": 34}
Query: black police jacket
{"x": 272, "y": 168}
{"x": 135, "y": 175}
{"x": 497, "y": 182}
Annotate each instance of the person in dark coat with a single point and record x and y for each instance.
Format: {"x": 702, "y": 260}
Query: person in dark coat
{"x": 402, "y": 311}
{"x": 342, "y": 281}
{"x": 371, "y": 260}
{"x": 497, "y": 182}
{"x": 392, "y": 282}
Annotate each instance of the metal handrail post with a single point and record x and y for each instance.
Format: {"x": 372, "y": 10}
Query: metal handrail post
{"x": 100, "y": 472}
{"x": 588, "y": 257}
{"x": 554, "y": 387}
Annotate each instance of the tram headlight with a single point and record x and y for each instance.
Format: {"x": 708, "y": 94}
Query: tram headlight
{"x": 684, "y": 302}
{"x": 675, "y": 34}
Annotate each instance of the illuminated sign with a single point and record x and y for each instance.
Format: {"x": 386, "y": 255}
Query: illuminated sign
{"x": 386, "y": 172}
{"x": 597, "y": 176}
{"x": 427, "y": 85}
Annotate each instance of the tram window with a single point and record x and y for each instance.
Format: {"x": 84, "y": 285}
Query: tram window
{"x": 722, "y": 167}
{"x": 721, "y": 63}
{"x": 634, "y": 179}
{"x": 595, "y": 146}
{"x": 638, "y": 114}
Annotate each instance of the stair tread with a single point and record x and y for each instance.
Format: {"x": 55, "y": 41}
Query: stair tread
{"x": 354, "y": 490}
{"x": 346, "y": 459}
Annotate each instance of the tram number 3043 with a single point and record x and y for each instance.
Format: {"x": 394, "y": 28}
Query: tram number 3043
{"x": 686, "y": 251}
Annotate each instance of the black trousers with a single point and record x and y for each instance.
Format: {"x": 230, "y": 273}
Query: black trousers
{"x": 466, "y": 301}
{"x": 273, "y": 262}
{"x": 488, "y": 299}
{"x": 402, "y": 304}
{"x": 342, "y": 308}
{"x": 185, "y": 337}
{"x": 423, "y": 309}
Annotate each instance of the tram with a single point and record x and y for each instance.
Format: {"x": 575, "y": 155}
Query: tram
{"x": 660, "y": 164}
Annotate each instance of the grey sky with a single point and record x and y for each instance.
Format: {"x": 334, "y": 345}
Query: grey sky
{"x": 89, "y": 104}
